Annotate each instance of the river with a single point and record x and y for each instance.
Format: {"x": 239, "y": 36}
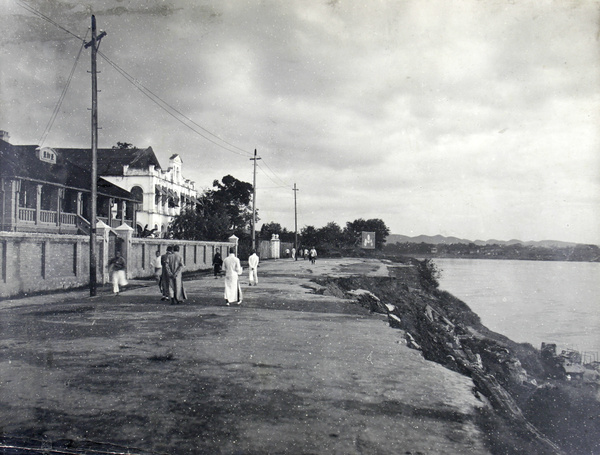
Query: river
{"x": 530, "y": 301}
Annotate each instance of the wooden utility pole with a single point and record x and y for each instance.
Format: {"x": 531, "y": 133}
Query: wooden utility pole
{"x": 295, "y": 220}
{"x": 254, "y": 202}
{"x": 94, "y": 178}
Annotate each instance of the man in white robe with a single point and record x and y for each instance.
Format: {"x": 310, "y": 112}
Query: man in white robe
{"x": 233, "y": 269}
{"x": 253, "y": 266}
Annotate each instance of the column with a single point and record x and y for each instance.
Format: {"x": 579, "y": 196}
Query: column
{"x": 125, "y": 233}
{"x": 38, "y": 203}
{"x": 102, "y": 234}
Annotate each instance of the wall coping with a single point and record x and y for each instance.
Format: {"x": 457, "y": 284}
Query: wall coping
{"x": 41, "y": 235}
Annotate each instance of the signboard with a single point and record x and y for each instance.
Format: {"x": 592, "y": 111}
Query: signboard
{"x": 368, "y": 240}
{"x": 47, "y": 155}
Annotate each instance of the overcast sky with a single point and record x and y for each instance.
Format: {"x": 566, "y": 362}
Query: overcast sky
{"x": 471, "y": 118}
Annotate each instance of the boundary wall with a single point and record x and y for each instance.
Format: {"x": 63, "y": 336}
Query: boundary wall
{"x": 33, "y": 262}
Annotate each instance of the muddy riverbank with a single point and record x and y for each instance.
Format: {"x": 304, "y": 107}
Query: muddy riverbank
{"x": 531, "y": 409}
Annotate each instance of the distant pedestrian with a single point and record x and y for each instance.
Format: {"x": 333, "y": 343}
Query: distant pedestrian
{"x": 217, "y": 264}
{"x": 287, "y": 252}
{"x": 166, "y": 282}
{"x": 156, "y": 264}
{"x": 233, "y": 269}
{"x": 294, "y": 253}
{"x": 175, "y": 267}
{"x": 253, "y": 266}
{"x": 313, "y": 255}
{"x": 117, "y": 266}
{"x": 306, "y": 254}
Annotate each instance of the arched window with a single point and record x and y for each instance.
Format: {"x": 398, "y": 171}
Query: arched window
{"x": 138, "y": 194}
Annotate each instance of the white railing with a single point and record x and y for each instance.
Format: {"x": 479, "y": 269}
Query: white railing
{"x": 26, "y": 214}
{"x": 68, "y": 218}
{"x": 47, "y": 216}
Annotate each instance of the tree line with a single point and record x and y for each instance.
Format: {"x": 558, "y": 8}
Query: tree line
{"x": 581, "y": 252}
{"x": 225, "y": 209}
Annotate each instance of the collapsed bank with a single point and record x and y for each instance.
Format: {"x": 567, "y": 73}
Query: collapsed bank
{"x": 531, "y": 406}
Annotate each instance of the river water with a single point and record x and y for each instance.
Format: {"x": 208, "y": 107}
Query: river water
{"x": 530, "y": 301}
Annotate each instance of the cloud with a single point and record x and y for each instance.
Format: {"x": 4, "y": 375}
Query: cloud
{"x": 468, "y": 118}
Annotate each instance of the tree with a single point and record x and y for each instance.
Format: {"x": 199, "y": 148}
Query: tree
{"x": 354, "y": 229}
{"x": 233, "y": 196}
{"x": 219, "y": 213}
{"x": 330, "y": 236}
{"x": 268, "y": 229}
{"x": 310, "y": 236}
{"x": 123, "y": 145}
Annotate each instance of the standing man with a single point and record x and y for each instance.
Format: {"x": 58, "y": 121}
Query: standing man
{"x": 175, "y": 267}
{"x": 253, "y": 265}
{"x": 217, "y": 264}
{"x": 116, "y": 266}
{"x": 166, "y": 285}
{"x": 233, "y": 269}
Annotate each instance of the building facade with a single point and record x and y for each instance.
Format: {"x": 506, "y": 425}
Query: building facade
{"x": 43, "y": 190}
{"x": 161, "y": 193}
{"x": 48, "y": 189}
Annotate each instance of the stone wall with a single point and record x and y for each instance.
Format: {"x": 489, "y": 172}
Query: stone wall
{"x": 46, "y": 262}
{"x": 43, "y": 262}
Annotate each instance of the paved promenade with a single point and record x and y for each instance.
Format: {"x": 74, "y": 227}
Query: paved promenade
{"x": 290, "y": 371}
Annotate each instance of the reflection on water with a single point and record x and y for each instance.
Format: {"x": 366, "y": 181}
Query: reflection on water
{"x": 530, "y": 301}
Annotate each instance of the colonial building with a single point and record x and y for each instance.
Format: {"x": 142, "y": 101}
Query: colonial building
{"x": 161, "y": 193}
{"x": 44, "y": 190}
{"x": 48, "y": 189}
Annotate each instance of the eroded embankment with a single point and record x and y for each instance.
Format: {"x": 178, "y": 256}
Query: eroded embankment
{"x": 527, "y": 412}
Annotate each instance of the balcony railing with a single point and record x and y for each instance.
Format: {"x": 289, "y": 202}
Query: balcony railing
{"x": 27, "y": 215}
{"x": 68, "y": 218}
{"x": 46, "y": 216}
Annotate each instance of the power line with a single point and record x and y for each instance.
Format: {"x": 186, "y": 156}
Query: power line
{"x": 147, "y": 92}
{"x": 279, "y": 178}
{"x": 46, "y": 18}
{"x": 172, "y": 111}
{"x": 60, "y": 99}
{"x": 278, "y": 185}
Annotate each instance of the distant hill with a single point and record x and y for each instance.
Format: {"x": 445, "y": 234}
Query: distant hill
{"x": 440, "y": 239}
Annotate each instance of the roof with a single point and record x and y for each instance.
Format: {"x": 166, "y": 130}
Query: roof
{"x": 22, "y": 161}
{"x": 110, "y": 162}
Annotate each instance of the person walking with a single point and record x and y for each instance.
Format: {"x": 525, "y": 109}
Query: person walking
{"x": 166, "y": 282}
{"x": 233, "y": 269}
{"x": 217, "y": 264}
{"x": 175, "y": 267}
{"x": 313, "y": 255}
{"x": 116, "y": 267}
{"x": 294, "y": 254}
{"x": 253, "y": 266}
{"x": 156, "y": 264}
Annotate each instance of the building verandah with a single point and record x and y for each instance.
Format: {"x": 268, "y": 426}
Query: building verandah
{"x": 40, "y": 191}
{"x": 37, "y": 206}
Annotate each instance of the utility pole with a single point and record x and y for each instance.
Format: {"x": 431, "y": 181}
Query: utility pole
{"x": 254, "y": 202}
{"x": 295, "y": 220}
{"x": 94, "y": 179}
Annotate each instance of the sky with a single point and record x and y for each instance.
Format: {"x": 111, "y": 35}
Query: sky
{"x": 470, "y": 118}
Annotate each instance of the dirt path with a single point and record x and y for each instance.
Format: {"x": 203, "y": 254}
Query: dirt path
{"x": 289, "y": 371}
